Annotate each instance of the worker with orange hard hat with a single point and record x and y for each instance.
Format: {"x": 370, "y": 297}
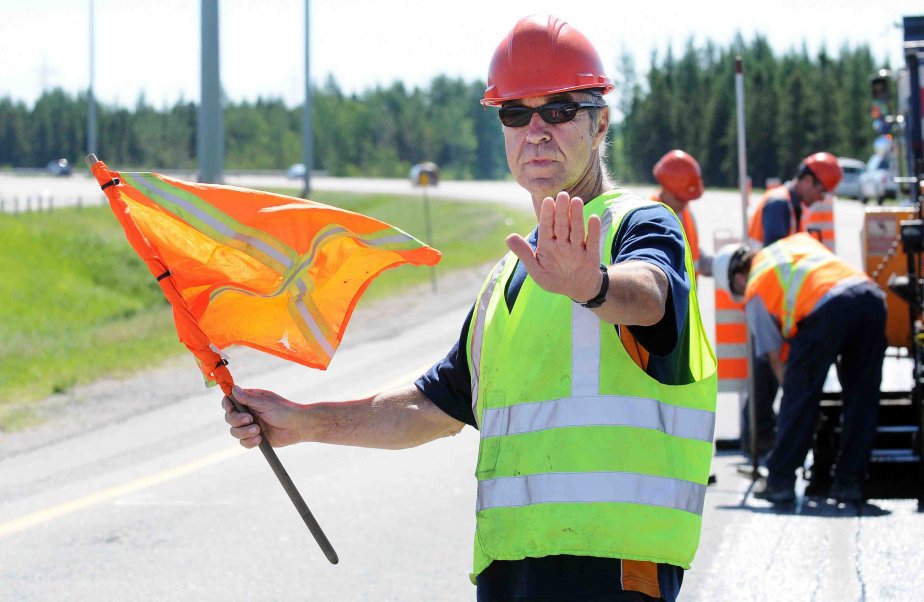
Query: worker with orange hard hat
{"x": 779, "y": 212}
{"x": 681, "y": 181}
{"x": 777, "y": 215}
{"x": 582, "y": 363}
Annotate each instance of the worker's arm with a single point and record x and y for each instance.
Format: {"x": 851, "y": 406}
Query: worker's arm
{"x": 704, "y": 264}
{"x": 765, "y": 334}
{"x": 395, "y": 419}
{"x": 777, "y": 365}
{"x": 567, "y": 261}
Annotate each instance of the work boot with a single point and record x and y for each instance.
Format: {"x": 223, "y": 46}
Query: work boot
{"x": 847, "y": 491}
{"x": 763, "y": 490}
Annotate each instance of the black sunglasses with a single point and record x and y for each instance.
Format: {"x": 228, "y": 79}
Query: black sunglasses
{"x": 553, "y": 112}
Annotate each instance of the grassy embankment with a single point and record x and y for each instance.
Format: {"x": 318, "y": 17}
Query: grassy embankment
{"x": 76, "y": 304}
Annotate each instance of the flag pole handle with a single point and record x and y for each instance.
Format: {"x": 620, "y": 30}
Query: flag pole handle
{"x": 270, "y": 454}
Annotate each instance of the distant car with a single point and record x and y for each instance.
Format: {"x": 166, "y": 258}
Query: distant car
{"x": 849, "y": 185}
{"x": 59, "y": 167}
{"x": 425, "y": 174}
{"x": 878, "y": 179}
{"x": 296, "y": 172}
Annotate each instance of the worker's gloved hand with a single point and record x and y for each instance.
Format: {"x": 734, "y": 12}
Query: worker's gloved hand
{"x": 277, "y": 418}
{"x": 567, "y": 256}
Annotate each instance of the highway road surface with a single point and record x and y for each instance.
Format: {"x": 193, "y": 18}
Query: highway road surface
{"x": 133, "y": 489}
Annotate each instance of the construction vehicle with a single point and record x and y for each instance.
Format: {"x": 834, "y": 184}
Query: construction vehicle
{"x": 893, "y": 252}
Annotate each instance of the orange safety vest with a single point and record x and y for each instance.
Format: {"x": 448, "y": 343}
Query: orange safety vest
{"x": 793, "y": 274}
{"x": 756, "y": 223}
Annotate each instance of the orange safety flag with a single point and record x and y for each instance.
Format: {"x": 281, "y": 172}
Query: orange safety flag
{"x": 252, "y": 268}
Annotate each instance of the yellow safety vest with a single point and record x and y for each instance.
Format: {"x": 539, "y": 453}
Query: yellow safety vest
{"x": 582, "y": 452}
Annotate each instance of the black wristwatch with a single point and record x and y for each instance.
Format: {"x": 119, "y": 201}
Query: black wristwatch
{"x": 601, "y": 296}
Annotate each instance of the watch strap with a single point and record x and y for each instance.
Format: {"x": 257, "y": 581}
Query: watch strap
{"x": 601, "y": 296}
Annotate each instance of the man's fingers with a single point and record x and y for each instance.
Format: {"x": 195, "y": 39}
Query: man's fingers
{"x": 546, "y": 219}
{"x": 562, "y": 226}
{"x": 244, "y": 432}
{"x": 518, "y": 245}
{"x": 576, "y": 211}
{"x": 252, "y": 442}
{"x": 238, "y": 418}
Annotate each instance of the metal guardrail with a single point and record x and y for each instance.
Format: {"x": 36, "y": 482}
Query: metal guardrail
{"x": 37, "y": 204}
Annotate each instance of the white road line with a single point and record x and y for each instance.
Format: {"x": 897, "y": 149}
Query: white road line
{"x": 52, "y": 512}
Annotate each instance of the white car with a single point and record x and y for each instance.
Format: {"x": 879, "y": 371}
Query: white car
{"x": 878, "y": 179}
{"x": 296, "y": 171}
{"x": 849, "y": 185}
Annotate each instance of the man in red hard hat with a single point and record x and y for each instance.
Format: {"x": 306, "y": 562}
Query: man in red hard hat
{"x": 681, "y": 181}
{"x": 583, "y": 363}
{"x": 779, "y": 212}
{"x": 777, "y": 215}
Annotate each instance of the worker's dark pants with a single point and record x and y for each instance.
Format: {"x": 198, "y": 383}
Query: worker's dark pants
{"x": 850, "y": 329}
{"x": 765, "y": 388}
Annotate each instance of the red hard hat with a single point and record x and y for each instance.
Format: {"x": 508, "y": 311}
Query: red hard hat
{"x": 825, "y": 168}
{"x": 542, "y": 56}
{"x": 679, "y": 174}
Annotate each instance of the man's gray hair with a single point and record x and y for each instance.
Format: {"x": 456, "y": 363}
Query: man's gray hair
{"x": 596, "y": 96}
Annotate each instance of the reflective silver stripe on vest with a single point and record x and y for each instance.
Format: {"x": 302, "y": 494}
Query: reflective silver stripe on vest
{"x": 794, "y": 286}
{"x": 591, "y": 487}
{"x": 478, "y": 331}
{"x": 585, "y": 334}
{"x": 585, "y": 352}
{"x": 600, "y": 410}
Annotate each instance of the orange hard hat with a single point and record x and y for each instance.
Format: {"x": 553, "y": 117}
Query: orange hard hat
{"x": 825, "y": 168}
{"x": 542, "y": 56}
{"x": 679, "y": 174}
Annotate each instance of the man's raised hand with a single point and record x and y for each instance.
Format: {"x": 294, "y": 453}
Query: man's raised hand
{"x": 567, "y": 257}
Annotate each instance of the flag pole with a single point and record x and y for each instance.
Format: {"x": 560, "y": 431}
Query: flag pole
{"x": 265, "y": 447}
{"x": 273, "y": 460}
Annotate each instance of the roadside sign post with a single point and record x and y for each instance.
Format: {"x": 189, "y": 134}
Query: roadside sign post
{"x": 426, "y": 175}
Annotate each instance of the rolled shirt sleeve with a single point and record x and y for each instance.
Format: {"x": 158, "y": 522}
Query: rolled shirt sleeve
{"x": 763, "y": 327}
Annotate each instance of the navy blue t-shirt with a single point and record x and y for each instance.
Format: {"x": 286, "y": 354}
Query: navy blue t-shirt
{"x": 777, "y": 215}
{"x": 649, "y": 234}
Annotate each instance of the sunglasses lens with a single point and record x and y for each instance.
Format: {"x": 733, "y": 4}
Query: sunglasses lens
{"x": 515, "y": 117}
{"x": 558, "y": 112}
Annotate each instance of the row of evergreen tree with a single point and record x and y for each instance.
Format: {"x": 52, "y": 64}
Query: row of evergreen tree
{"x": 796, "y": 104}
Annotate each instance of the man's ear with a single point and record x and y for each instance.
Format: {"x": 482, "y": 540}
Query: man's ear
{"x": 739, "y": 283}
{"x": 603, "y": 125}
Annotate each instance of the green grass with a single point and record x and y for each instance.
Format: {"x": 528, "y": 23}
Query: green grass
{"x": 76, "y": 304}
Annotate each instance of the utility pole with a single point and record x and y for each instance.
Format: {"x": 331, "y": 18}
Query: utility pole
{"x": 91, "y": 101}
{"x": 307, "y": 142}
{"x": 210, "y": 135}
{"x": 743, "y": 188}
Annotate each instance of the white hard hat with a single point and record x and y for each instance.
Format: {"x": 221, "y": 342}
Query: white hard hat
{"x": 724, "y": 265}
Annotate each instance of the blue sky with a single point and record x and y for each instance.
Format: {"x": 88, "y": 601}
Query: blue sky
{"x": 153, "y": 46}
